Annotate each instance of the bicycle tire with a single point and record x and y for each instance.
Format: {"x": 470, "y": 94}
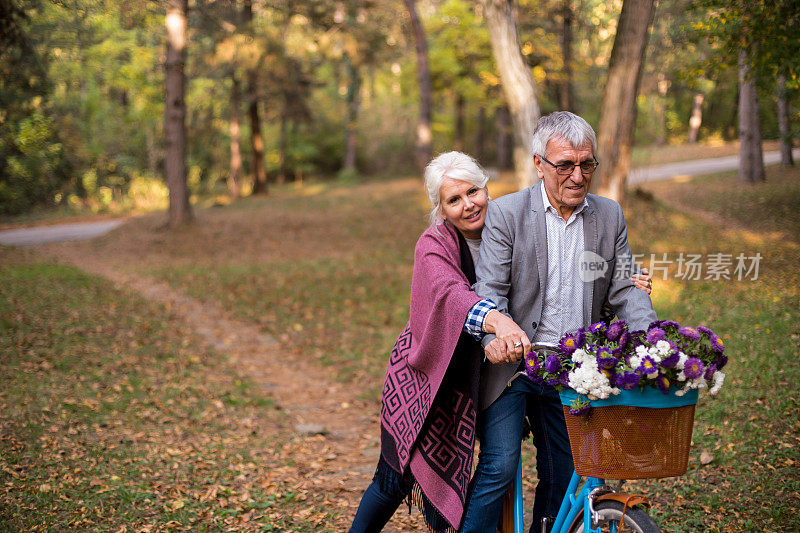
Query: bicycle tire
{"x": 636, "y": 520}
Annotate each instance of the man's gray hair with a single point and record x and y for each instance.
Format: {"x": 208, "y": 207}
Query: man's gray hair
{"x": 562, "y": 125}
{"x": 455, "y": 165}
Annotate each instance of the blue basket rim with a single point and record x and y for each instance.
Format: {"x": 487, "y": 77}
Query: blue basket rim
{"x": 647, "y": 397}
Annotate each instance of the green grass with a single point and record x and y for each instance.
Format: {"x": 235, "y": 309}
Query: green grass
{"x": 768, "y": 207}
{"x": 751, "y": 428}
{"x": 113, "y": 416}
{"x": 643, "y": 156}
{"x": 326, "y": 269}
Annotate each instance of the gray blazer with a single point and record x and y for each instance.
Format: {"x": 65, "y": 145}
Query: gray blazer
{"x": 512, "y": 270}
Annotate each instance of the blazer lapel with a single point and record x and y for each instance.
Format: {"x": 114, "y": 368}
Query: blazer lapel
{"x": 538, "y": 237}
{"x": 590, "y": 238}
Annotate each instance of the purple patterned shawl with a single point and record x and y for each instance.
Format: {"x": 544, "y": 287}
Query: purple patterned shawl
{"x": 428, "y": 407}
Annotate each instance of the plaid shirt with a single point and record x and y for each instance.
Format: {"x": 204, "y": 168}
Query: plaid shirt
{"x": 474, "y": 323}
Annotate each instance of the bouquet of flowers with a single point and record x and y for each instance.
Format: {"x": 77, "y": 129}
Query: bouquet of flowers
{"x": 603, "y": 359}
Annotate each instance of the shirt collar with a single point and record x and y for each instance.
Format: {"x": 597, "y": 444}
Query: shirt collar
{"x": 549, "y": 206}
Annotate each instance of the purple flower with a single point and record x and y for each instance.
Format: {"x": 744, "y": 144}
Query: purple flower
{"x": 552, "y": 365}
{"x": 689, "y": 333}
{"x": 614, "y": 330}
{"x": 709, "y": 373}
{"x": 597, "y": 327}
{"x": 580, "y": 337}
{"x": 721, "y": 361}
{"x": 671, "y": 360}
{"x": 554, "y": 381}
{"x": 582, "y": 410}
{"x": 605, "y": 359}
{"x": 669, "y": 324}
{"x": 655, "y": 335}
{"x": 624, "y": 339}
{"x": 569, "y": 343}
{"x": 705, "y": 331}
{"x": 655, "y": 324}
{"x": 693, "y": 368}
{"x": 716, "y": 343}
{"x": 663, "y": 383}
{"x": 648, "y": 366}
{"x": 533, "y": 367}
{"x": 626, "y": 380}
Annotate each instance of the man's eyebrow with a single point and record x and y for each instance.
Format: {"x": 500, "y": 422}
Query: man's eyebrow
{"x": 570, "y": 161}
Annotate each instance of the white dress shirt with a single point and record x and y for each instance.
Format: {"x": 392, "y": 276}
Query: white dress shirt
{"x": 562, "y": 311}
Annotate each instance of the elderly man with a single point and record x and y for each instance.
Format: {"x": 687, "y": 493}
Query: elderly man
{"x": 533, "y": 243}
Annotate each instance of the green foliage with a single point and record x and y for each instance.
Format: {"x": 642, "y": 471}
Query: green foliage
{"x": 766, "y": 29}
{"x": 94, "y": 70}
{"x": 34, "y": 166}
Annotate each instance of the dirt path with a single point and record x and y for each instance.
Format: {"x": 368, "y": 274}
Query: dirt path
{"x": 336, "y": 443}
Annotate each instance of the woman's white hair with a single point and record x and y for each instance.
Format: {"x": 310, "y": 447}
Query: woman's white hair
{"x": 562, "y": 125}
{"x": 454, "y": 165}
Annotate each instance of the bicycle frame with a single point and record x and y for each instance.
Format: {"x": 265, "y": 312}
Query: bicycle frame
{"x": 572, "y": 504}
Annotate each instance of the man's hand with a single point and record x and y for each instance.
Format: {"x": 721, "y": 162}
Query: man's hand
{"x": 511, "y": 342}
{"x": 643, "y": 281}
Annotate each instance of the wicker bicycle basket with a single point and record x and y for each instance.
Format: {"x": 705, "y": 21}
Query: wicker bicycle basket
{"x": 632, "y": 441}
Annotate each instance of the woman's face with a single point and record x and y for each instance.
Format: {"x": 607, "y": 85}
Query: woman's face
{"x": 464, "y": 206}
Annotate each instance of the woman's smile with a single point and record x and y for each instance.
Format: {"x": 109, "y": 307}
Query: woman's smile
{"x": 464, "y": 206}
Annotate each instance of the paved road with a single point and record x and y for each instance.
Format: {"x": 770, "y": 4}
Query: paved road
{"x": 58, "y": 233}
{"x": 696, "y": 167}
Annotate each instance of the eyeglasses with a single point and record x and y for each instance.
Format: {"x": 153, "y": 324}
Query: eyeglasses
{"x": 566, "y": 169}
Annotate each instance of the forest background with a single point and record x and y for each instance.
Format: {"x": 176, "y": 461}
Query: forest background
{"x": 195, "y": 378}
{"x": 336, "y": 90}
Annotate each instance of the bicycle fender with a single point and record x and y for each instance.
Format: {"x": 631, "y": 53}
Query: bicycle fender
{"x": 627, "y": 500}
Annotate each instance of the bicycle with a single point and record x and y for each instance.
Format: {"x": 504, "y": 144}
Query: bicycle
{"x": 602, "y": 447}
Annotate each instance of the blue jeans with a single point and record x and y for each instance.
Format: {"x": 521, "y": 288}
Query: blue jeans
{"x": 500, "y": 429}
{"x": 377, "y": 507}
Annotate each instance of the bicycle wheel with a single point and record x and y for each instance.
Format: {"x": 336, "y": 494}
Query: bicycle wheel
{"x": 636, "y": 520}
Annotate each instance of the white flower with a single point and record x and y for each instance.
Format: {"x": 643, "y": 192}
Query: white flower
{"x": 589, "y": 381}
{"x": 719, "y": 378}
{"x": 579, "y": 355}
{"x": 641, "y": 351}
{"x": 663, "y": 348}
{"x": 699, "y": 383}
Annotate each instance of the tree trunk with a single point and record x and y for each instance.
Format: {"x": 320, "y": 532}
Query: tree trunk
{"x": 565, "y": 94}
{"x": 480, "y": 134}
{"x": 660, "y": 109}
{"x": 784, "y": 122}
{"x": 751, "y": 158}
{"x": 256, "y": 139}
{"x": 459, "y": 143}
{"x": 180, "y": 210}
{"x": 283, "y": 147}
{"x": 697, "y": 118}
{"x": 518, "y": 85}
{"x": 618, "y": 110}
{"x": 353, "y": 104}
{"x": 424, "y": 141}
{"x": 501, "y": 123}
{"x": 236, "y": 153}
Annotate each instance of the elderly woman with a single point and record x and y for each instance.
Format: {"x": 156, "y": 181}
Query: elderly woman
{"x": 428, "y": 405}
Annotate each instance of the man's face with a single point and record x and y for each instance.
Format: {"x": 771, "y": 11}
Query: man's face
{"x": 564, "y": 192}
